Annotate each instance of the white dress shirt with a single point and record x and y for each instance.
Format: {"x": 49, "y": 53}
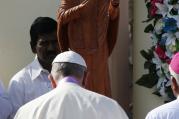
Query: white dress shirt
{"x": 28, "y": 84}
{"x": 167, "y": 111}
{"x": 5, "y": 105}
{"x": 70, "y": 101}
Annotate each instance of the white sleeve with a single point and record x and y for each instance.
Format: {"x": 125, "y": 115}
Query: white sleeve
{"x": 151, "y": 115}
{"x": 5, "y": 105}
{"x": 1, "y": 87}
{"x": 16, "y": 93}
{"x": 120, "y": 113}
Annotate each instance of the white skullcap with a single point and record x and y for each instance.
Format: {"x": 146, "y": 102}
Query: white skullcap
{"x": 71, "y": 57}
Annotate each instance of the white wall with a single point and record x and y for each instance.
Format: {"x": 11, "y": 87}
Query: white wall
{"x": 16, "y": 18}
{"x": 143, "y": 99}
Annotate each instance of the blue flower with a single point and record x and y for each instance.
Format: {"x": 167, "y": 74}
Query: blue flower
{"x": 170, "y": 25}
{"x": 163, "y": 41}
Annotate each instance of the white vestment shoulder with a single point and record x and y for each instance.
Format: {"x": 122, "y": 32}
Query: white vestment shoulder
{"x": 167, "y": 111}
{"x": 70, "y": 101}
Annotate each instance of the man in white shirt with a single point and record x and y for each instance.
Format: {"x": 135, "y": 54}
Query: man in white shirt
{"x": 171, "y": 109}
{"x": 32, "y": 81}
{"x": 69, "y": 100}
{"x": 5, "y": 105}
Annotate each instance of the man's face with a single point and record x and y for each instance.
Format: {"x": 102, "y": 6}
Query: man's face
{"x": 47, "y": 47}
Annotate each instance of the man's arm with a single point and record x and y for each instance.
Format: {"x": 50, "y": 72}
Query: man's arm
{"x": 113, "y": 24}
{"x": 16, "y": 94}
{"x": 67, "y": 12}
{"x": 5, "y": 105}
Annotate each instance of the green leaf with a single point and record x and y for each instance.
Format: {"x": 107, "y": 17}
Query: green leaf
{"x": 150, "y": 66}
{"x": 146, "y": 55}
{"x": 172, "y": 2}
{"x": 149, "y": 28}
{"x": 148, "y": 80}
{"x": 169, "y": 92}
{"x": 147, "y": 65}
{"x": 148, "y": 5}
{"x": 177, "y": 45}
{"x": 174, "y": 12}
{"x": 156, "y": 93}
{"x": 149, "y": 19}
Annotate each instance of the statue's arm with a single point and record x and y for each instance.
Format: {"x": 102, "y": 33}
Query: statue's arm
{"x": 67, "y": 13}
{"x": 113, "y": 24}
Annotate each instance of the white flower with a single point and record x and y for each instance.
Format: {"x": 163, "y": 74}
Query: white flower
{"x": 163, "y": 9}
{"x": 165, "y": 68}
{"x": 169, "y": 51}
{"x": 177, "y": 34}
{"x": 168, "y": 83}
{"x": 156, "y": 60}
{"x": 153, "y": 38}
{"x": 170, "y": 38}
{"x": 160, "y": 82}
{"x": 162, "y": 88}
{"x": 159, "y": 26}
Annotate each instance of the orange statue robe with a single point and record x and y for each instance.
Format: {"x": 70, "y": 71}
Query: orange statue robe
{"x": 91, "y": 30}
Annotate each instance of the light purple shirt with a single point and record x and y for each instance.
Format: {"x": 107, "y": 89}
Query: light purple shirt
{"x": 70, "y": 79}
{"x": 5, "y": 105}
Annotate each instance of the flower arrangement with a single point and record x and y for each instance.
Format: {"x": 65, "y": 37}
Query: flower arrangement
{"x": 163, "y": 28}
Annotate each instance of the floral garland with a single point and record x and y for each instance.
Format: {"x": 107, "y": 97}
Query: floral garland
{"x": 163, "y": 28}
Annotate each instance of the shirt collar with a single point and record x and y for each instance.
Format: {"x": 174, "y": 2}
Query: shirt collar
{"x": 69, "y": 79}
{"x": 37, "y": 69}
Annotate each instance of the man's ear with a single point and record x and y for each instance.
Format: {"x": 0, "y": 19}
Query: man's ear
{"x": 84, "y": 82}
{"x": 32, "y": 45}
{"x": 53, "y": 83}
{"x": 175, "y": 86}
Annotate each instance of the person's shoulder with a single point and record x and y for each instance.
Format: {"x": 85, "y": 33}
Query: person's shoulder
{"x": 101, "y": 98}
{"x": 23, "y": 73}
{"x": 167, "y": 106}
{"x": 108, "y": 107}
{"x": 164, "y": 110}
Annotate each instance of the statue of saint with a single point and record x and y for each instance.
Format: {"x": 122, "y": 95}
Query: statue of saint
{"x": 90, "y": 28}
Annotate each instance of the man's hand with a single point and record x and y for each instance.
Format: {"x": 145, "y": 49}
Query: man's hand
{"x": 115, "y": 3}
{"x": 113, "y": 9}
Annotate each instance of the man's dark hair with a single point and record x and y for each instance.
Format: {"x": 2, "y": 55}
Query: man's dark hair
{"x": 41, "y": 26}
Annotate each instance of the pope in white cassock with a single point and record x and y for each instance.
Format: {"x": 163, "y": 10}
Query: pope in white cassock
{"x": 69, "y": 100}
